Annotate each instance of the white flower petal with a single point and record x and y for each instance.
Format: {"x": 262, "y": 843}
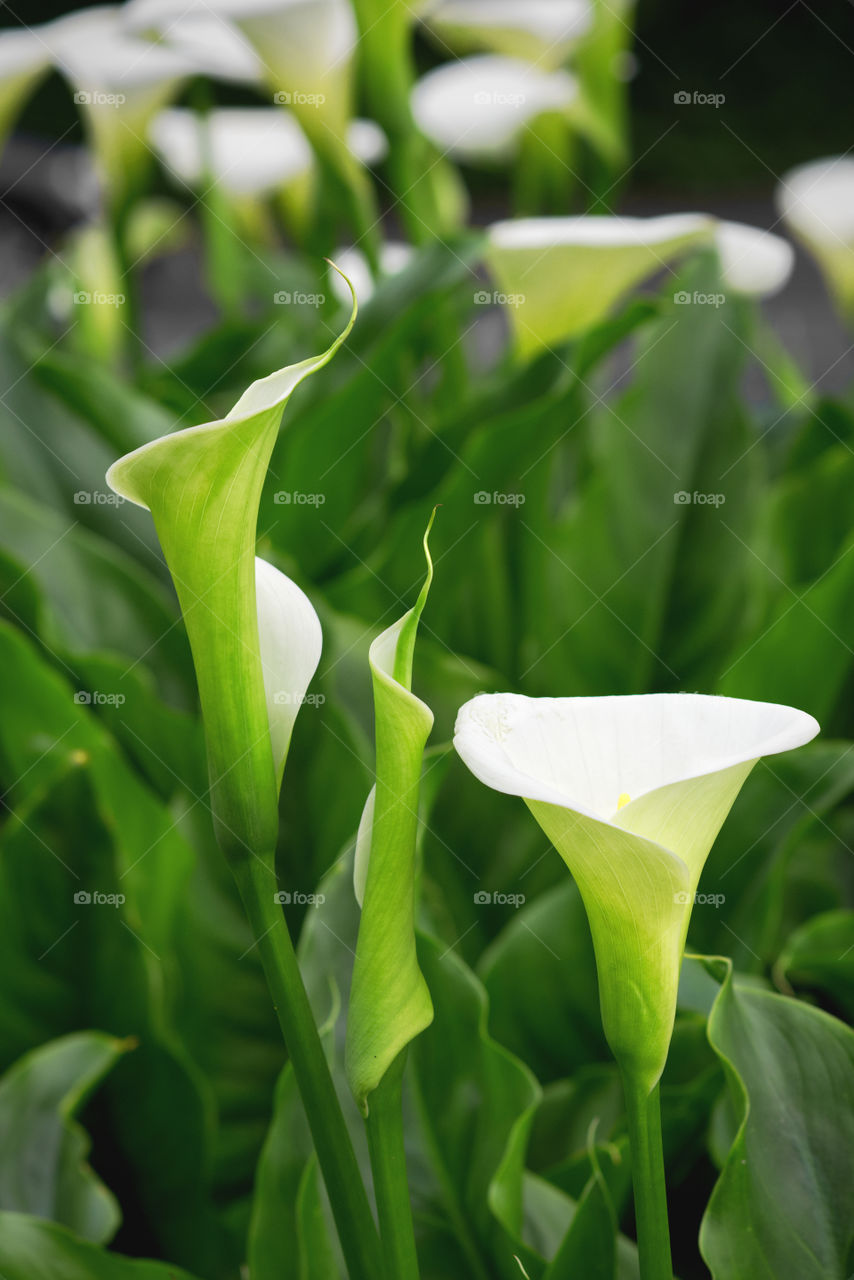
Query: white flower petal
{"x": 817, "y": 201}
{"x": 367, "y": 141}
{"x": 290, "y": 641}
{"x": 95, "y": 51}
{"x": 585, "y": 754}
{"x": 542, "y": 31}
{"x": 476, "y": 108}
{"x": 394, "y": 257}
{"x": 253, "y": 150}
{"x": 753, "y": 262}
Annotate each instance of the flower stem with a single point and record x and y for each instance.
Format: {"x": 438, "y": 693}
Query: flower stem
{"x": 353, "y": 1218}
{"x": 644, "y": 1115}
{"x": 391, "y": 1186}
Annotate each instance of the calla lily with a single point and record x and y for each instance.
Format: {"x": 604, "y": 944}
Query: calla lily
{"x": 120, "y": 83}
{"x": 254, "y": 636}
{"x": 211, "y": 43}
{"x": 476, "y": 109}
{"x": 816, "y": 201}
{"x": 563, "y": 275}
{"x": 389, "y": 1000}
{"x": 632, "y": 792}
{"x": 540, "y": 31}
{"x": 395, "y": 256}
{"x": 24, "y": 59}
{"x": 252, "y": 150}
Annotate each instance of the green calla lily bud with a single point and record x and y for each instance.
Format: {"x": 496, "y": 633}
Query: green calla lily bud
{"x": 389, "y": 1000}
{"x": 632, "y": 792}
{"x": 254, "y": 636}
{"x": 816, "y": 201}
{"x": 540, "y": 31}
{"x": 560, "y": 276}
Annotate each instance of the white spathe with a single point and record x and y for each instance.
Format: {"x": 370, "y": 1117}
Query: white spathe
{"x": 540, "y": 31}
{"x": 290, "y": 641}
{"x": 395, "y": 256}
{"x": 209, "y": 40}
{"x": 476, "y": 108}
{"x": 632, "y": 792}
{"x": 253, "y": 150}
{"x": 816, "y": 201}
{"x": 754, "y": 262}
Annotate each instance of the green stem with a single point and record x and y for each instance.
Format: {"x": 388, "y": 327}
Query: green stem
{"x": 337, "y": 1159}
{"x": 644, "y": 1115}
{"x": 391, "y": 1185}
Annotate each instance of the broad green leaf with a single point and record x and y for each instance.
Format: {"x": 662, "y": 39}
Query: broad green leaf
{"x": 34, "y": 1250}
{"x": 389, "y": 999}
{"x": 203, "y": 486}
{"x": 590, "y": 1245}
{"x": 782, "y": 1206}
{"x": 43, "y": 1170}
{"x": 819, "y": 956}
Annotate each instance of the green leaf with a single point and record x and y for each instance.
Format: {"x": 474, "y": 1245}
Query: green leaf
{"x": 819, "y": 956}
{"x": 34, "y": 1250}
{"x": 203, "y": 487}
{"x": 782, "y": 1206}
{"x": 43, "y": 1170}
{"x": 590, "y": 1245}
{"x": 389, "y": 1000}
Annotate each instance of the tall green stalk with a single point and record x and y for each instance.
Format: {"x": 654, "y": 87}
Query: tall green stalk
{"x": 353, "y": 1218}
{"x": 644, "y": 1116}
{"x": 391, "y": 1185}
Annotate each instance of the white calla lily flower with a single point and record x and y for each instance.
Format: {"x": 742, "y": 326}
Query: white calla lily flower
{"x": 120, "y": 82}
{"x": 476, "y": 109}
{"x": 632, "y": 792}
{"x": 754, "y": 262}
{"x": 253, "y": 151}
{"x": 816, "y": 201}
{"x": 24, "y": 59}
{"x": 540, "y": 31}
{"x": 395, "y": 256}
{"x": 563, "y": 275}
{"x": 209, "y": 40}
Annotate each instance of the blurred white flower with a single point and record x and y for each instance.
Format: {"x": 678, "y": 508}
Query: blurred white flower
{"x": 394, "y": 257}
{"x": 540, "y": 31}
{"x": 252, "y": 150}
{"x": 477, "y": 108}
{"x": 816, "y": 201}
{"x": 209, "y": 40}
{"x": 753, "y": 262}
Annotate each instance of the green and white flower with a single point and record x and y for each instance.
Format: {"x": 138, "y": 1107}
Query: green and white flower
{"x": 540, "y": 31}
{"x": 816, "y": 201}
